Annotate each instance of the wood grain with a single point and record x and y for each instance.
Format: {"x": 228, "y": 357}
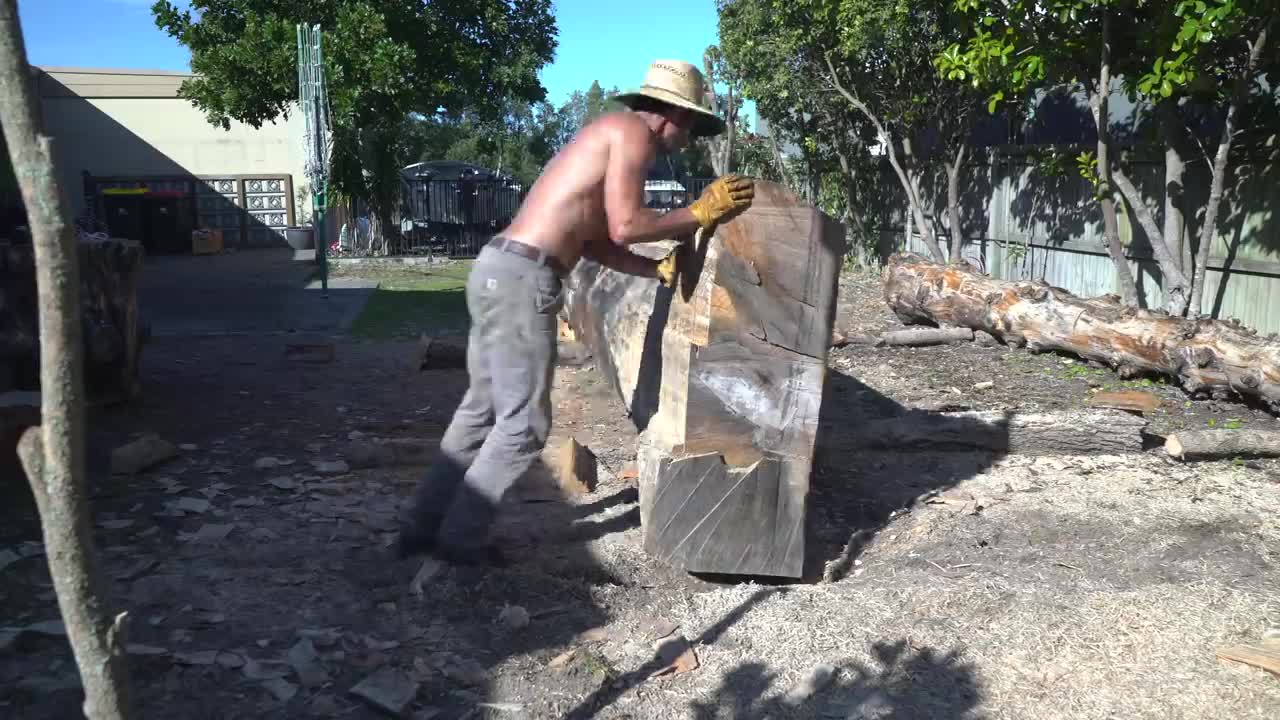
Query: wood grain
{"x": 723, "y": 375}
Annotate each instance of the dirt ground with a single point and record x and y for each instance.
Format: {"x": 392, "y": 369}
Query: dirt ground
{"x": 942, "y": 585}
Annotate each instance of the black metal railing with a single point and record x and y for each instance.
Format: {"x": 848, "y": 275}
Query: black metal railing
{"x": 457, "y": 217}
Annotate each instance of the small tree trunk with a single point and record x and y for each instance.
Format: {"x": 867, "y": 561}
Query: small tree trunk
{"x": 953, "y": 204}
{"x": 53, "y": 453}
{"x": 1102, "y": 119}
{"x": 1209, "y": 228}
{"x": 1175, "y": 283}
{"x": 915, "y": 210}
{"x": 1175, "y": 169}
{"x": 864, "y": 241}
{"x": 781, "y": 162}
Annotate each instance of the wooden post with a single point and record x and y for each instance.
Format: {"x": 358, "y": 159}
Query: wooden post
{"x": 724, "y": 377}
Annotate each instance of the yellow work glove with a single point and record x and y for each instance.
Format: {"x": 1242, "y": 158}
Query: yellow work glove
{"x": 727, "y": 195}
{"x": 667, "y": 269}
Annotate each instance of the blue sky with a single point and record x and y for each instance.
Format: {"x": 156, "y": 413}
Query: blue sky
{"x": 615, "y": 51}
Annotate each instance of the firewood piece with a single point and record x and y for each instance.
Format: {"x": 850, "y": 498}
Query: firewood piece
{"x": 1132, "y": 400}
{"x": 1265, "y": 656}
{"x": 311, "y": 352}
{"x": 922, "y": 338}
{"x": 575, "y": 468}
{"x": 1210, "y": 444}
{"x": 399, "y": 452}
{"x": 434, "y": 353}
{"x": 1206, "y": 356}
{"x": 146, "y": 451}
{"x": 1096, "y": 432}
{"x": 723, "y": 376}
{"x": 839, "y": 341}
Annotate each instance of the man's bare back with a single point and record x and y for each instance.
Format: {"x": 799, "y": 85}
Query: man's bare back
{"x": 590, "y": 199}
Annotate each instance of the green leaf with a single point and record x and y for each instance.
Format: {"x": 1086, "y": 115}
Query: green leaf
{"x": 1166, "y": 89}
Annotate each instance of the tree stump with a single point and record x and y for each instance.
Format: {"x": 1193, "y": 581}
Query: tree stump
{"x": 723, "y": 375}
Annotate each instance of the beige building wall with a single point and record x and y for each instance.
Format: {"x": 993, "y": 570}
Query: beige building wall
{"x": 128, "y": 122}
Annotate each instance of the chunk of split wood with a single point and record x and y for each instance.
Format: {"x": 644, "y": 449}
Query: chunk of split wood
{"x": 388, "y": 689}
{"x": 438, "y": 353}
{"x": 145, "y": 452}
{"x": 310, "y": 352}
{"x": 1265, "y": 655}
{"x": 574, "y": 466}
{"x": 1211, "y": 444}
{"x": 389, "y": 453}
{"x": 676, "y": 656}
{"x": 1132, "y": 400}
{"x": 929, "y": 336}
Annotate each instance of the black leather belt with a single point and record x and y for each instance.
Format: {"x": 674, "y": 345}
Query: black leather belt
{"x": 528, "y": 251}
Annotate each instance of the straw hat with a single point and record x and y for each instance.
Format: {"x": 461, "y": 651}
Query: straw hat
{"x": 680, "y": 84}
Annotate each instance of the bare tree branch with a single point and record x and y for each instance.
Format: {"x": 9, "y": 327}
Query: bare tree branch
{"x": 1175, "y": 282}
{"x": 1219, "y": 166}
{"x": 913, "y": 196}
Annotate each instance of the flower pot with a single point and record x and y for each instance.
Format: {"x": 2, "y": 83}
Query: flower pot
{"x": 300, "y": 238}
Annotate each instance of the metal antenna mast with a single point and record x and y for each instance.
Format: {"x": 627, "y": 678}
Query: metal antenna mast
{"x": 313, "y": 96}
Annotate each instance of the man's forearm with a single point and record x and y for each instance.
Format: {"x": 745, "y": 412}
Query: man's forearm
{"x": 615, "y": 256}
{"x": 648, "y": 225}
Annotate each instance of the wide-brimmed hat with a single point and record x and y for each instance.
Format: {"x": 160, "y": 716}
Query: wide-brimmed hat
{"x": 680, "y": 84}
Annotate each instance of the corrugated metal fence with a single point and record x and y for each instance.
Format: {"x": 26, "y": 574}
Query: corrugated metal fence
{"x": 1021, "y": 223}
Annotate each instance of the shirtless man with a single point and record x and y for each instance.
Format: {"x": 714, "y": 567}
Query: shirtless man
{"x": 589, "y": 202}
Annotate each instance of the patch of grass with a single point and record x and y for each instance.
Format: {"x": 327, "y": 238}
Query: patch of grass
{"x": 409, "y": 302}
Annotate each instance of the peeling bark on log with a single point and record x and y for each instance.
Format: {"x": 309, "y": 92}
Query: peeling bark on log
{"x": 1100, "y": 432}
{"x": 1208, "y": 357}
{"x": 1210, "y": 444}
{"x": 724, "y": 377}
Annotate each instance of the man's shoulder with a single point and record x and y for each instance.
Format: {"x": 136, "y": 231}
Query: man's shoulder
{"x": 621, "y": 124}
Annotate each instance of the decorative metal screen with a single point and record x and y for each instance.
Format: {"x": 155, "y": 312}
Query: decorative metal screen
{"x": 218, "y": 207}
{"x": 267, "y": 201}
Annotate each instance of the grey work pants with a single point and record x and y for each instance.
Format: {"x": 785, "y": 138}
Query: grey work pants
{"x": 501, "y": 425}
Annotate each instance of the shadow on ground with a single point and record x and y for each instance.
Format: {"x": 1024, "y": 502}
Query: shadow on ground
{"x": 909, "y": 683}
{"x": 858, "y": 487}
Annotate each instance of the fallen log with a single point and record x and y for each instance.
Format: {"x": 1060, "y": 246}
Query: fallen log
{"x": 926, "y": 337}
{"x": 1208, "y": 357}
{"x": 723, "y": 376}
{"x": 1216, "y": 444}
{"x": 1099, "y": 432}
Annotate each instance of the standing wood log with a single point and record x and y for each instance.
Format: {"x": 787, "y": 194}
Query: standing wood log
{"x": 1213, "y": 357}
{"x": 723, "y": 375}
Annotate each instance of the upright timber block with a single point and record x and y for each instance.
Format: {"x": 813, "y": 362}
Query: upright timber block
{"x": 723, "y": 376}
